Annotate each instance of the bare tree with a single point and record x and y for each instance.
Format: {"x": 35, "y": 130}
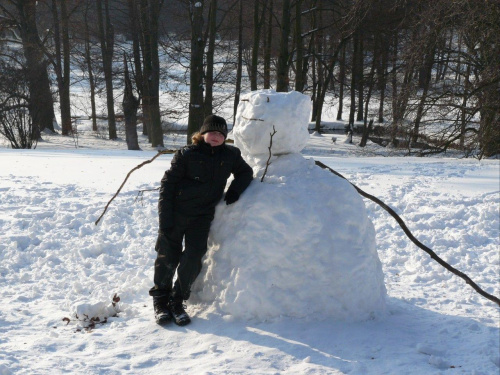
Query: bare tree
{"x": 150, "y": 10}
{"x": 283, "y": 58}
{"x": 258, "y": 21}
{"x": 107, "y": 41}
{"x": 88, "y": 64}
{"x": 61, "y": 61}
{"x": 15, "y": 120}
{"x": 268, "y": 47}
{"x": 22, "y": 14}
{"x": 130, "y": 104}
{"x": 16, "y": 125}
{"x": 239, "y": 62}
{"x": 209, "y": 71}
{"x": 196, "y": 68}
{"x": 342, "y": 76}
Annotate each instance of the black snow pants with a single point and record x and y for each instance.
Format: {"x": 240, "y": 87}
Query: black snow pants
{"x": 171, "y": 257}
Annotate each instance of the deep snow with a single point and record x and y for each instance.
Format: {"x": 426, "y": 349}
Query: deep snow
{"x": 54, "y": 262}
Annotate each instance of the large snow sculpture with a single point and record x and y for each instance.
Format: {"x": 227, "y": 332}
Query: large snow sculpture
{"x": 297, "y": 244}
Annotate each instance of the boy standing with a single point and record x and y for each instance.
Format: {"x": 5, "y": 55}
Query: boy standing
{"x": 189, "y": 192}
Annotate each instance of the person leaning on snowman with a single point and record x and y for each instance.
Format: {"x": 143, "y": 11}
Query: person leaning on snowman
{"x": 189, "y": 192}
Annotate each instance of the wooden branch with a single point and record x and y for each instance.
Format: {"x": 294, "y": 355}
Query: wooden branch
{"x": 128, "y": 175}
{"x": 415, "y": 240}
{"x": 270, "y": 154}
{"x": 140, "y": 193}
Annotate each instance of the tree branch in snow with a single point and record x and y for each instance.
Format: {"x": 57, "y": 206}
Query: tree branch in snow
{"x": 140, "y": 193}
{"x": 270, "y": 153}
{"x": 415, "y": 240}
{"x": 128, "y": 175}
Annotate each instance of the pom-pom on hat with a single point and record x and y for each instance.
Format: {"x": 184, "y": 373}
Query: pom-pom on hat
{"x": 214, "y": 123}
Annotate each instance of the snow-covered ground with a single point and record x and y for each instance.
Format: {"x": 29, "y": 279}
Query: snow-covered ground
{"x": 56, "y": 264}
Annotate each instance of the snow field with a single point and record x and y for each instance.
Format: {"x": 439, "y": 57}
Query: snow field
{"x": 55, "y": 262}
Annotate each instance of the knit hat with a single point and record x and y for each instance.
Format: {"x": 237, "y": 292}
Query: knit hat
{"x": 213, "y": 123}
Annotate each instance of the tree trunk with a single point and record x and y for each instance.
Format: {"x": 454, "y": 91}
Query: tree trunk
{"x": 196, "y": 69}
{"x": 61, "y": 65}
{"x": 366, "y": 133}
{"x": 489, "y": 98}
{"x": 360, "y": 78}
{"x": 314, "y": 93}
{"x": 156, "y": 128}
{"x": 382, "y": 76}
{"x": 300, "y": 81}
{"x": 326, "y": 83}
{"x": 267, "y": 48}
{"x": 316, "y": 71}
{"x": 458, "y": 68}
{"x": 394, "y": 84}
{"x": 239, "y": 66}
{"x": 255, "y": 46}
{"x": 282, "y": 69}
{"x": 446, "y": 62}
{"x": 352, "y": 109}
{"x": 106, "y": 37}
{"x": 135, "y": 32}
{"x": 209, "y": 75}
{"x": 428, "y": 64}
{"x": 150, "y": 10}
{"x": 371, "y": 82}
{"x": 88, "y": 60}
{"x": 342, "y": 63}
{"x": 130, "y": 104}
{"x": 463, "y": 110}
{"x": 319, "y": 73}
{"x": 401, "y": 99}
{"x": 41, "y": 105}
{"x": 147, "y": 68}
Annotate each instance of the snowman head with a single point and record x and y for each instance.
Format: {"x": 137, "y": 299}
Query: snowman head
{"x": 264, "y": 112}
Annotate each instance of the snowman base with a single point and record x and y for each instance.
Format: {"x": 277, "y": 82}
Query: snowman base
{"x": 298, "y": 244}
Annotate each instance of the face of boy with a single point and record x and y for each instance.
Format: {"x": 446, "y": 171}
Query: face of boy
{"x": 213, "y": 138}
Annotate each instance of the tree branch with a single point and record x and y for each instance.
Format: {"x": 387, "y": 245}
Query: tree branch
{"x": 140, "y": 193}
{"x": 128, "y": 175}
{"x": 270, "y": 154}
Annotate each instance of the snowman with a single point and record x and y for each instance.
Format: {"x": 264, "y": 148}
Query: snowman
{"x": 298, "y": 243}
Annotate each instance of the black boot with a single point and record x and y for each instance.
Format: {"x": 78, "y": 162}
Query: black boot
{"x": 180, "y": 316}
{"x": 162, "y": 311}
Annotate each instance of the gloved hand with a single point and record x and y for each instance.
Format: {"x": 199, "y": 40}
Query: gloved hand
{"x": 231, "y": 196}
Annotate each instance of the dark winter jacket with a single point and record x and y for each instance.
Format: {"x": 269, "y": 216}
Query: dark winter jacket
{"x": 195, "y": 182}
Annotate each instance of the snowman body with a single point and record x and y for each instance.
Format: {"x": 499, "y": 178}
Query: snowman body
{"x": 300, "y": 242}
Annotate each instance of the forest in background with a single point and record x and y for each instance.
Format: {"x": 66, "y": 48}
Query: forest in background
{"x": 411, "y": 74}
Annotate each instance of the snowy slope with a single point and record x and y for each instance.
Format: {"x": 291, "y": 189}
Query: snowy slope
{"x": 55, "y": 263}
